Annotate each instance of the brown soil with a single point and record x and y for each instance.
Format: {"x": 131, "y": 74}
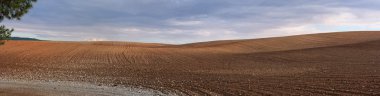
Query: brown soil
{"x": 320, "y": 64}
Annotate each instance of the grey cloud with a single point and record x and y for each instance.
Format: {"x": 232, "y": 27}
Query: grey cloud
{"x": 179, "y": 21}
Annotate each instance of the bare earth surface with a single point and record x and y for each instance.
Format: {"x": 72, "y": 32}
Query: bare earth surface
{"x": 42, "y": 88}
{"x": 320, "y": 64}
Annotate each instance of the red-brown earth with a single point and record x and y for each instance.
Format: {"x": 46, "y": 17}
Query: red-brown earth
{"x": 343, "y": 63}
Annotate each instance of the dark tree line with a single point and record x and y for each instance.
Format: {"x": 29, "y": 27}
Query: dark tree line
{"x": 12, "y": 10}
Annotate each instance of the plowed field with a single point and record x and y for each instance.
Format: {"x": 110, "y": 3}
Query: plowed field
{"x": 346, "y": 63}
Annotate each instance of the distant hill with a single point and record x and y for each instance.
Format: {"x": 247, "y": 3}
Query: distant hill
{"x": 24, "y": 38}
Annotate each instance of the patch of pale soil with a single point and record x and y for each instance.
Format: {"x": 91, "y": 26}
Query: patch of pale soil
{"x": 41, "y": 88}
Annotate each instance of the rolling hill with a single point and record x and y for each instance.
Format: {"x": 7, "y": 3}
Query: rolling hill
{"x": 288, "y": 43}
{"x": 344, "y": 63}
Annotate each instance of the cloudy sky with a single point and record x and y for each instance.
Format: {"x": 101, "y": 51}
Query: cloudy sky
{"x": 184, "y": 21}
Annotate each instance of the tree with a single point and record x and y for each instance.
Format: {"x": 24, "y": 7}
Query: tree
{"x": 12, "y": 10}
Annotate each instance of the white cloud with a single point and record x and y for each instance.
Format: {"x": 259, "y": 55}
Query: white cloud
{"x": 185, "y": 23}
{"x": 131, "y": 29}
{"x": 95, "y": 39}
